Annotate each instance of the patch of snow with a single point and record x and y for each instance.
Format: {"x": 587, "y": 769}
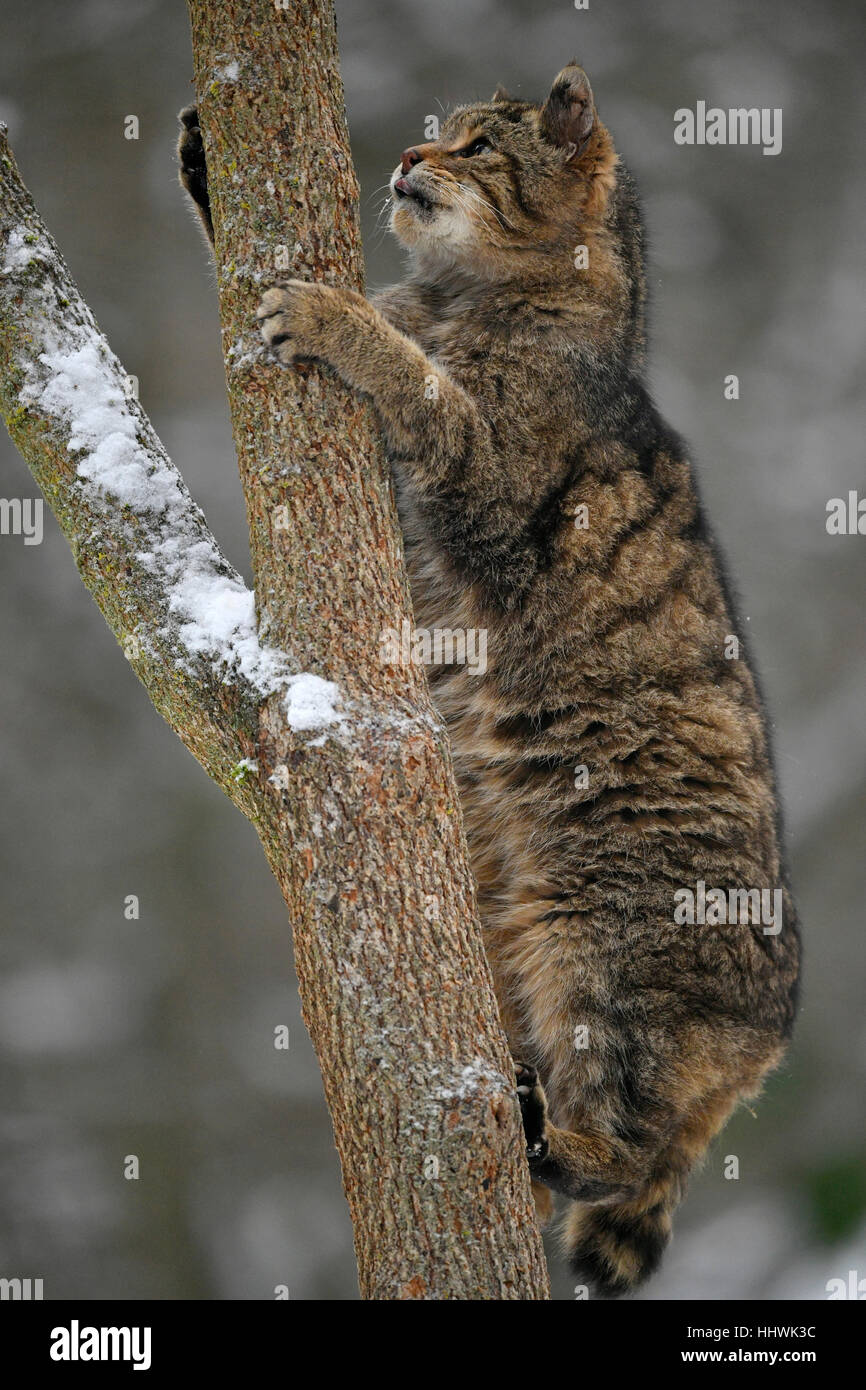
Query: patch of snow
{"x": 229, "y": 72}
{"x": 82, "y": 387}
{"x": 311, "y": 702}
{"x": 216, "y": 614}
{"x": 214, "y": 609}
{"x": 469, "y": 1079}
{"x": 20, "y": 251}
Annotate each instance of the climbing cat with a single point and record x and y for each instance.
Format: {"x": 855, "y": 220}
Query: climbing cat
{"x": 613, "y": 758}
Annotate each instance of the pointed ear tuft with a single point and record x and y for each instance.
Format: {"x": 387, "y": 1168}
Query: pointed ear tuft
{"x": 568, "y": 115}
{"x": 500, "y": 94}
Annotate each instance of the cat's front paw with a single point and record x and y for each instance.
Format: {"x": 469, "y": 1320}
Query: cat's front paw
{"x": 190, "y": 153}
{"x": 295, "y": 317}
{"x": 533, "y": 1111}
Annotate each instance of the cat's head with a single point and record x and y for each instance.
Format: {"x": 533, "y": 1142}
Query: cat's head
{"x": 506, "y": 175}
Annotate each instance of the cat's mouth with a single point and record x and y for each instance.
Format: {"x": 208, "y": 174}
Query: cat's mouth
{"x": 404, "y": 189}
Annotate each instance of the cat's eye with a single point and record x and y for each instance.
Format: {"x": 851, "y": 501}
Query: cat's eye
{"x": 479, "y": 146}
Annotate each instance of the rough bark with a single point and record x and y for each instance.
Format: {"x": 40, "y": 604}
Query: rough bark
{"x": 353, "y": 796}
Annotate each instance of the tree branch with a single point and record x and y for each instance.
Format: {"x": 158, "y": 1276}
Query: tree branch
{"x": 347, "y": 772}
{"x": 142, "y": 546}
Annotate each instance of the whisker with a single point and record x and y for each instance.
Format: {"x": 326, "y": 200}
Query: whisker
{"x": 462, "y": 193}
{"x": 380, "y": 226}
{"x": 385, "y": 203}
{"x": 484, "y": 202}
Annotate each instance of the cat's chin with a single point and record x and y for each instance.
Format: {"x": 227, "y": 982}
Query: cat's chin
{"x": 413, "y": 224}
{"x": 440, "y": 233}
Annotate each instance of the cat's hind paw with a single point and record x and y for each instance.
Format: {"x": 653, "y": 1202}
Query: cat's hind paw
{"x": 533, "y": 1111}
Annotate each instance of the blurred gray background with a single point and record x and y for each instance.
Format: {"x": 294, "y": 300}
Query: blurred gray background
{"x": 155, "y": 1037}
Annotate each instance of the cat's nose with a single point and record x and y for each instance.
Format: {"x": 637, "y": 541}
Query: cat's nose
{"x": 408, "y": 158}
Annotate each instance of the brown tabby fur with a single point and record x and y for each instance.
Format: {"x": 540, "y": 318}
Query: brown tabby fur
{"x": 606, "y": 648}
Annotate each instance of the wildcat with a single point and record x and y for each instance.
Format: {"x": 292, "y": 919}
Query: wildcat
{"x": 613, "y": 753}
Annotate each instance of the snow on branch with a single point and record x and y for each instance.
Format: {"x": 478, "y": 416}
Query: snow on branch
{"x": 142, "y": 544}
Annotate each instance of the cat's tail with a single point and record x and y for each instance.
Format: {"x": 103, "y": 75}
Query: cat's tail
{"x": 613, "y": 1249}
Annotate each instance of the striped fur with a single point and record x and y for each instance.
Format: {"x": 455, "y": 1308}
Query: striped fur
{"x": 606, "y": 649}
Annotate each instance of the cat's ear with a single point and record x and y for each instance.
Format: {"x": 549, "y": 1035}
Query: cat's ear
{"x": 568, "y": 115}
{"x": 500, "y": 94}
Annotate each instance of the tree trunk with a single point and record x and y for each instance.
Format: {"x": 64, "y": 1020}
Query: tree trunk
{"x": 340, "y": 762}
